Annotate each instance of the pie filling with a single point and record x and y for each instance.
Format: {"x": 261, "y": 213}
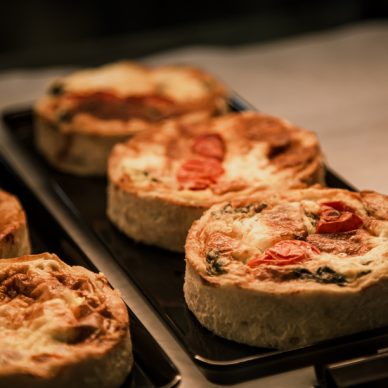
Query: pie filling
{"x": 310, "y": 241}
{"x": 47, "y": 313}
{"x": 229, "y": 154}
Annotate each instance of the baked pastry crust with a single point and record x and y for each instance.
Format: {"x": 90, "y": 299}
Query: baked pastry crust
{"x": 153, "y": 199}
{"x": 86, "y": 113}
{"x": 239, "y": 289}
{"x": 14, "y": 239}
{"x": 61, "y": 326}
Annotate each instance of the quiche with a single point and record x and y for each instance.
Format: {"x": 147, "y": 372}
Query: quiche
{"x": 163, "y": 179}
{"x": 14, "y": 239}
{"x": 290, "y": 269}
{"x": 84, "y": 114}
{"x": 61, "y": 326}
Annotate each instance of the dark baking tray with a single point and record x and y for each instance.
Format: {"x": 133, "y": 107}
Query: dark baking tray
{"x": 152, "y": 367}
{"x": 159, "y": 275}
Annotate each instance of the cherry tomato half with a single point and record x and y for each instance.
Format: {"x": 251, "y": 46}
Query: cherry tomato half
{"x": 199, "y": 174}
{"x": 337, "y": 217}
{"x": 284, "y": 253}
{"x": 210, "y": 146}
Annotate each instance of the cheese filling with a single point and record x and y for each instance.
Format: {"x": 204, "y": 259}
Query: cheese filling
{"x": 154, "y": 162}
{"x": 48, "y": 312}
{"x": 339, "y": 258}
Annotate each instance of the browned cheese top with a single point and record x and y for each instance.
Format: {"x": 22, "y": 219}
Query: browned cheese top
{"x": 126, "y": 97}
{"x": 307, "y": 239}
{"x": 52, "y": 315}
{"x": 205, "y": 163}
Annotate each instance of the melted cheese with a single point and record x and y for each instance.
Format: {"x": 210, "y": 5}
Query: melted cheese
{"x": 252, "y": 166}
{"x": 122, "y": 78}
{"x": 146, "y": 162}
{"x": 128, "y": 79}
{"x": 246, "y": 164}
{"x": 179, "y": 84}
{"x": 256, "y": 233}
{"x": 38, "y": 310}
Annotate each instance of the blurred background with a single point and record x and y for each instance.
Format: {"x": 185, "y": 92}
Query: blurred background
{"x": 320, "y": 64}
{"x": 88, "y": 32}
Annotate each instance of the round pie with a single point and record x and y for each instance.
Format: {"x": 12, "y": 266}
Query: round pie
{"x": 14, "y": 240}
{"x": 61, "y": 326}
{"x": 284, "y": 270}
{"x": 84, "y": 114}
{"x": 163, "y": 179}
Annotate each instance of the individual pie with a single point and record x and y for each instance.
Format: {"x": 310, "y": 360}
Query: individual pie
{"x": 60, "y": 326}
{"x": 292, "y": 268}
{"x": 84, "y": 114}
{"x": 14, "y": 239}
{"x": 163, "y": 179}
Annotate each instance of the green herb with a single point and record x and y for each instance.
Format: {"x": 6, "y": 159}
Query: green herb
{"x": 253, "y": 207}
{"x": 258, "y": 207}
{"x": 214, "y": 263}
{"x": 227, "y": 208}
{"x": 324, "y": 275}
{"x": 242, "y": 209}
{"x": 328, "y": 275}
{"x": 64, "y": 117}
{"x": 363, "y": 273}
{"x": 57, "y": 89}
{"x": 302, "y": 273}
{"x": 212, "y": 255}
{"x": 314, "y": 218}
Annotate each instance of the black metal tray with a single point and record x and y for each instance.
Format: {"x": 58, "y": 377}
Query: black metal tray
{"x": 152, "y": 367}
{"x": 159, "y": 275}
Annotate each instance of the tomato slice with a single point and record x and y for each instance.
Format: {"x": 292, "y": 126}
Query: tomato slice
{"x": 285, "y": 252}
{"x": 209, "y": 146}
{"x": 338, "y": 205}
{"x": 199, "y": 174}
{"x": 337, "y": 217}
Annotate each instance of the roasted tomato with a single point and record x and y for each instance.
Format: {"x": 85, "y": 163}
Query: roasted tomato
{"x": 285, "y": 252}
{"x": 337, "y": 217}
{"x": 199, "y": 174}
{"x": 209, "y": 146}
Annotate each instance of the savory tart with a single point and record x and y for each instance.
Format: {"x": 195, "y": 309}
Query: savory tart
{"x": 84, "y": 114}
{"x": 14, "y": 239}
{"x": 289, "y": 269}
{"x": 163, "y": 179}
{"x": 61, "y": 326}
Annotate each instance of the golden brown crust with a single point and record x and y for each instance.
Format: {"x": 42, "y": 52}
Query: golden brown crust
{"x": 14, "y": 240}
{"x": 93, "y": 101}
{"x": 148, "y": 220}
{"x": 245, "y": 249}
{"x": 60, "y": 324}
{"x": 87, "y": 112}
